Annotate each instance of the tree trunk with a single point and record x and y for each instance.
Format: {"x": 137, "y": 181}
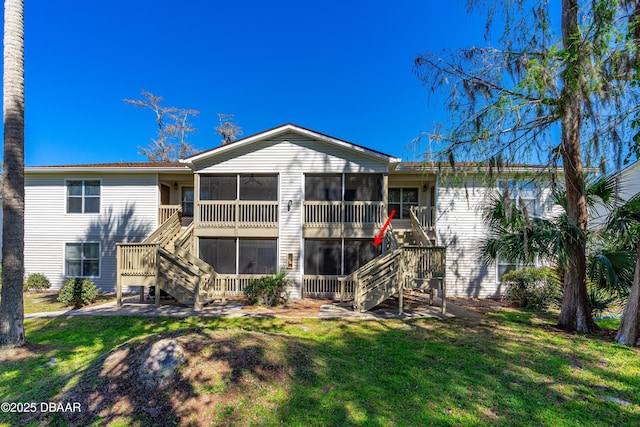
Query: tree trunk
{"x": 11, "y": 303}
{"x": 574, "y": 312}
{"x": 629, "y": 331}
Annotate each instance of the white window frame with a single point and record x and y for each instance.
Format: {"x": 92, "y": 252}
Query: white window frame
{"x": 398, "y": 215}
{"x": 83, "y": 196}
{"x": 521, "y": 190}
{"x": 82, "y": 259}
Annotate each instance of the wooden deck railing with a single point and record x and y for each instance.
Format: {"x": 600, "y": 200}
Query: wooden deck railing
{"x": 352, "y": 214}
{"x": 426, "y": 216}
{"x": 165, "y": 212}
{"x": 326, "y": 286}
{"x": 420, "y": 264}
{"x": 137, "y": 259}
{"x": 418, "y": 231}
{"x": 233, "y": 285}
{"x": 237, "y": 213}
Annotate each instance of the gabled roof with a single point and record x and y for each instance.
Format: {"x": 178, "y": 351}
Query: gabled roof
{"x": 289, "y": 127}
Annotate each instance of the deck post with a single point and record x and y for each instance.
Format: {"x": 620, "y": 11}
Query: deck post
{"x": 444, "y": 282}
{"x": 157, "y": 284}
{"x": 400, "y": 295}
{"x": 356, "y": 289}
{"x": 141, "y": 293}
{"x": 341, "y": 280}
{"x": 197, "y": 304}
{"x": 119, "y": 277}
{"x": 399, "y": 265}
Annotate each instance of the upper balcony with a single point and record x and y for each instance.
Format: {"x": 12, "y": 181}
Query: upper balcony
{"x": 342, "y": 215}
{"x": 236, "y": 205}
{"x": 344, "y": 205}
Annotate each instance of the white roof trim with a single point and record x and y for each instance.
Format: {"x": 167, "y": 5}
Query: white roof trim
{"x": 284, "y": 129}
{"x": 85, "y": 169}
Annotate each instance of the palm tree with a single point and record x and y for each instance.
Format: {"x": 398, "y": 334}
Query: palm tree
{"x": 517, "y": 237}
{"x": 624, "y": 223}
{"x": 11, "y": 304}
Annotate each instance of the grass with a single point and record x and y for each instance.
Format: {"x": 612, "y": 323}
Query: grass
{"x": 512, "y": 368}
{"x": 38, "y": 302}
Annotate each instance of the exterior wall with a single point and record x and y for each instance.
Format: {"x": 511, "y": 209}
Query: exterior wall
{"x": 291, "y": 156}
{"x": 628, "y": 182}
{"x": 460, "y": 227}
{"x": 128, "y": 213}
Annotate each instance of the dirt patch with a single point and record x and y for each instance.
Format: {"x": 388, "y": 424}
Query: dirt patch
{"x": 293, "y": 308}
{"x": 480, "y": 305}
{"x": 411, "y": 300}
{"x": 225, "y": 374}
{"x": 29, "y": 350}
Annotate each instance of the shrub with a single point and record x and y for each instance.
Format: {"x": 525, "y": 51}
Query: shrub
{"x": 268, "y": 290}
{"x": 536, "y": 288}
{"x": 79, "y": 292}
{"x": 36, "y": 282}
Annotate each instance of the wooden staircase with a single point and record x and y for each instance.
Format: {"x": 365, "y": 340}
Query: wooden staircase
{"x": 164, "y": 260}
{"x": 416, "y": 264}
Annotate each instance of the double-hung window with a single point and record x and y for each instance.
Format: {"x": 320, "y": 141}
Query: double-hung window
{"x": 522, "y": 193}
{"x": 82, "y": 259}
{"x": 401, "y": 200}
{"x": 83, "y": 196}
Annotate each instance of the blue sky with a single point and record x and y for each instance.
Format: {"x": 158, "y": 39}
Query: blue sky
{"x": 343, "y": 68}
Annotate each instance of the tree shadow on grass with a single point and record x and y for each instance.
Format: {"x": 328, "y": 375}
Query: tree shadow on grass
{"x": 344, "y": 372}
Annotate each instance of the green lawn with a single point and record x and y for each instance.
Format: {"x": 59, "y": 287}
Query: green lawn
{"x": 512, "y": 368}
{"x": 38, "y": 302}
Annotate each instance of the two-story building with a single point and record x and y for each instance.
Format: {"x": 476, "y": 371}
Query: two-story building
{"x": 287, "y": 198}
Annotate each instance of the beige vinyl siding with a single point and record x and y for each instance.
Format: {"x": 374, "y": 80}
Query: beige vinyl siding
{"x": 291, "y": 156}
{"x": 291, "y": 152}
{"x": 128, "y": 213}
{"x": 460, "y": 227}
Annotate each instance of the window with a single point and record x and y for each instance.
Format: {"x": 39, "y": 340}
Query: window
{"x": 503, "y": 267}
{"x": 358, "y": 252}
{"x": 401, "y": 200}
{"x": 252, "y": 187}
{"x": 524, "y": 192}
{"x": 218, "y": 187}
{"x": 322, "y": 257}
{"x": 187, "y": 201}
{"x": 259, "y": 187}
{"x": 255, "y": 256}
{"x": 362, "y": 187}
{"x": 323, "y": 188}
{"x": 357, "y": 187}
{"x": 82, "y": 260}
{"x": 83, "y": 196}
{"x": 220, "y": 254}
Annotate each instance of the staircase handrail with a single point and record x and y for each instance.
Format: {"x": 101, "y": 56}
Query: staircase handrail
{"x": 391, "y": 241}
{"x": 366, "y": 278}
{"x": 188, "y": 258}
{"x": 418, "y": 231}
{"x": 184, "y": 239}
{"x": 166, "y": 231}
